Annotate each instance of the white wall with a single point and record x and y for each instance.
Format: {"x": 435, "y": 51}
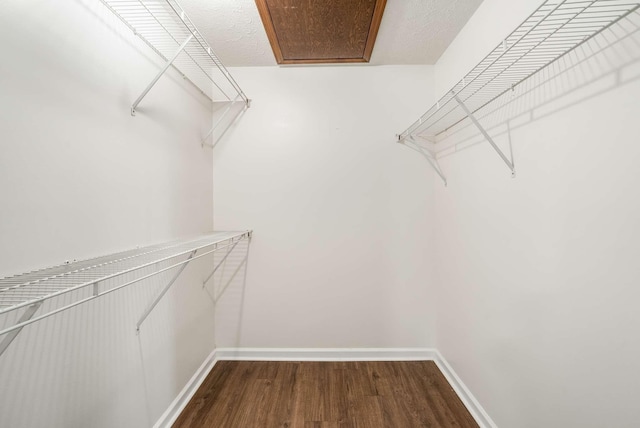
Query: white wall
{"x": 342, "y": 215}
{"x": 538, "y": 276}
{"x": 535, "y": 297}
{"x": 80, "y": 177}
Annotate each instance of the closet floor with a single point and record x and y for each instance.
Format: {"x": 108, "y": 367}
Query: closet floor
{"x": 325, "y": 395}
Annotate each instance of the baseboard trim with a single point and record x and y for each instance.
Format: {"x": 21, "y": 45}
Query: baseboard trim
{"x": 180, "y": 402}
{"x": 324, "y": 354}
{"x": 470, "y": 402}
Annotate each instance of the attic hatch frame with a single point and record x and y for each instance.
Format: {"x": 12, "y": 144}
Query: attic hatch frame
{"x": 165, "y": 27}
{"x": 553, "y": 30}
{"x": 275, "y": 35}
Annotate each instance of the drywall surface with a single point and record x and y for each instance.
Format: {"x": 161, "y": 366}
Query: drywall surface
{"x": 341, "y": 215}
{"x": 537, "y": 276}
{"x": 80, "y": 177}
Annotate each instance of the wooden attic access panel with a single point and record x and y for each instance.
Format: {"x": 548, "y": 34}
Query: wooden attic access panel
{"x": 321, "y": 31}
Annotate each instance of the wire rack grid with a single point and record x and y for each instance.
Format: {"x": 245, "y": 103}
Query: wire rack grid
{"x": 556, "y": 28}
{"x": 164, "y": 27}
{"x": 33, "y": 288}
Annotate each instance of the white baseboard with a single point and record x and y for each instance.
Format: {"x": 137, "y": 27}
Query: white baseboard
{"x": 180, "y": 402}
{"x": 324, "y": 354}
{"x": 470, "y": 402}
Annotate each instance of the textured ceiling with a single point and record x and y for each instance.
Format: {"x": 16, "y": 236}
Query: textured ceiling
{"x": 411, "y": 32}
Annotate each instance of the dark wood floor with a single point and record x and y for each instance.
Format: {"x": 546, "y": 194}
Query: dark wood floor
{"x": 325, "y": 395}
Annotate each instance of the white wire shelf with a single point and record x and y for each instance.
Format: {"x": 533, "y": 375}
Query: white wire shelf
{"x": 556, "y": 28}
{"x": 22, "y": 297}
{"x": 164, "y": 27}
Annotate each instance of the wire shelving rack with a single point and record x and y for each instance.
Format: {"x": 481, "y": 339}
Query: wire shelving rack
{"x": 165, "y": 27}
{"x": 553, "y": 30}
{"x": 23, "y": 297}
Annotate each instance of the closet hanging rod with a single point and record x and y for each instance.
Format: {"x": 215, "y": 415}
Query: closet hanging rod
{"x": 553, "y": 30}
{"x": 86, "y": 280}
{"x": 165, "y": 27}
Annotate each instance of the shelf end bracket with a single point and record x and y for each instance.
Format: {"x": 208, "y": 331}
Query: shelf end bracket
{"x": 159, "y": 75}
{"x": 433, "y": 161}
{"x": 220, "y": 119}
{"x": 485, "y": 134}
{"x": 26, "y": 316}
{"x": 204, "y": 283}
{"x": 164, "y": 290}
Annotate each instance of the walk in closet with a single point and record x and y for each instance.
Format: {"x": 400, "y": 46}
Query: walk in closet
{"x": 238, "y": 213}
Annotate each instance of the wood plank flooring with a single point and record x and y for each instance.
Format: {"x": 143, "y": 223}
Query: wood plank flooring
{"x": 325, "y": 395}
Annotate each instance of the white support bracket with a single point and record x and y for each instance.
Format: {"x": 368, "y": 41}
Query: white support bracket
{"x": 164, "y": 291}
{"x": 423, "y": 141}
{"x": 159, "y": 75}
{"x": 219, "y": 121}
{"x": 216, "y": 297}
{"x": 204, "y": 283}
{"x": 433, "y": 161}
{"x": 26, "y": 316}
{"x": 485, "y": 134}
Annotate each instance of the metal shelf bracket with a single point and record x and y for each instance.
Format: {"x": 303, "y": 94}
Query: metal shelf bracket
{"x": 247, "y": 104}
{"x": 217, "y": 296}
{"x": 204, "y": 283}
{"x": 428, "y": 155}
{"x": 26, "y": 316}
{"x": 159, "y": 75}
{"x": 485, "y": 134}
{"x": 164, "y": 291}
